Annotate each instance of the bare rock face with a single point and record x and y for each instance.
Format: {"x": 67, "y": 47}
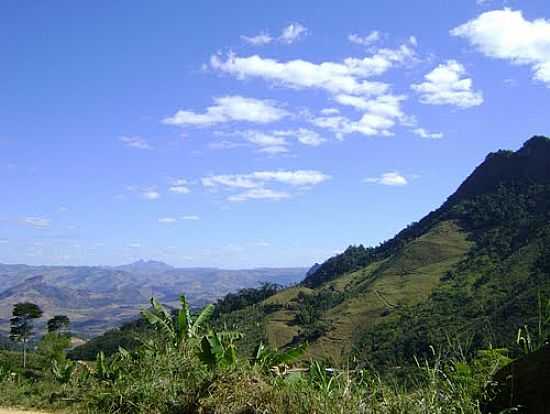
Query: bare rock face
{"x": 524, "y": 384}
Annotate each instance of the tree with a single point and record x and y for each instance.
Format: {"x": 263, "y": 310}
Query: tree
{"x": 22, "y": 324}
{"x": 58, "y": 323}
{"x": 53, "y": 345}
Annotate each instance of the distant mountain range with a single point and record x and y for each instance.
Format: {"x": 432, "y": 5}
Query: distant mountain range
{"x": 98, "y": 297}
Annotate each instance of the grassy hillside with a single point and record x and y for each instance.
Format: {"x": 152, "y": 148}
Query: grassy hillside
{"x": 480, "y": 259}
{"x": 365, "y": 297}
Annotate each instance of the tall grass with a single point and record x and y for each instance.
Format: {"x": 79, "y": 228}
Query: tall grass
{"x": 173, "y": 376}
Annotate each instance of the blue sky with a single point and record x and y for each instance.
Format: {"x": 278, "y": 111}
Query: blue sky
{"x": 246, "y": 133}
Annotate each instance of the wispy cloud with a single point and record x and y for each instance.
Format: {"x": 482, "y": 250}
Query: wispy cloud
{"x": 289, "y": 35}
{"x": 423, "y": 133}
{"x": 367, "y": 40}
{"x": 191, "y": 218}
{"x": 393, "y": 179}
{"x": 260, "y": 39}
{"x": 37, "y": 222}
{"x": 292, "y": 33}
{"x": 255, "y": 183}
{"x": 179, "y": 186}
{"x": 167, "y": 220}
{"x": 230, "y": 109}
{"x": 259, "y": 194}
{"x": 151, "y": 195}
{"x": 136, "y": 142}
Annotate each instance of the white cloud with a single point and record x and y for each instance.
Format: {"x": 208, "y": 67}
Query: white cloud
{"x": 230, "y": 180}
{"x": 330, "y": 111}
{"x": 136, "y": 142}
{"x": 446, "y": 85}
{"x": 303, "y": 136}
{"x": 167, "y": 220}
{"x": 380, "y": 115}
{"x": 393, "y": 179}
{"x": 191, "y": 218}
{"x": 38, "y": 222}
{"x": 367, "y": 40}
{"x": 151, "y": 195}
{"x": 255, "y": 183}
{"x": 292, "y": 32}
{"x": 348, "y": 81}
{"x": 346, "y": 77}
{"x": 229, "y": 109}
{"x": 179, "y": 186}
{"x": 423, "y": 133}
{"x": 265, "y": 140}
{"x": 259, "y": 194}
{"x": 299, "y": 178}
{"x": 289, "y": 35}
{"x": 260, "y": 39}
{"x": 277, "y": 149}
{"x": 276, "y": 141}
{"x": 507, "y": 35}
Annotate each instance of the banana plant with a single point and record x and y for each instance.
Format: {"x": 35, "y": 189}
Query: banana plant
{"x": 218, "y": 350}
{"x": 272, "y": 359}
{"x": 182, "y": 328}
{"x": 63, "y": 371}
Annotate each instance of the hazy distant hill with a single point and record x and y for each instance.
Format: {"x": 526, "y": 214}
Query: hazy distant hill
{"x": 97, "y": 298}
{"x": 473, "y": 270}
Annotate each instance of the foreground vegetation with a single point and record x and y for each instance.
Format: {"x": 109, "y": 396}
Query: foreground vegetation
{"x": 184, "y": 366}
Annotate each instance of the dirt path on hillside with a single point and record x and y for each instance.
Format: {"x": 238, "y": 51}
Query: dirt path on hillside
{"x": 16, "y": 411}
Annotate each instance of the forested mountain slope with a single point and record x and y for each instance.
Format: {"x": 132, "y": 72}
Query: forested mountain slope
{"x": 465, "y": 272}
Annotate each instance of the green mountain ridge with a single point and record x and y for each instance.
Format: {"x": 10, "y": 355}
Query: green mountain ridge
{"x": 470, "y": 271}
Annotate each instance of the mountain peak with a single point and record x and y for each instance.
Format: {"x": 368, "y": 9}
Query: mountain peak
{"x": 535, "y": 144}
{"x": 146, "y": 266}
{"x": 531, "y": 163}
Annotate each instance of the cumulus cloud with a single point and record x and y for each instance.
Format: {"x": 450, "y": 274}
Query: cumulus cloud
{"x": 348, "y": 81}
{"x": 393, "y": 179}
{"x": 380, "y": 115}
{"x": 38, "y": 222}
{"x": 254, "y": 184}
{"x": 423, "y": 133}
{"x": 367, "y": 40}
{"x": 347, "y": 77}
{"x": 447, "y": 85}
{"x": 230, "y": 109}
{"x": 507, "y": 35}
{"x": 292, "y": 33}
{"x": 179, "y": 186}
{"x": 136, "y": 142}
